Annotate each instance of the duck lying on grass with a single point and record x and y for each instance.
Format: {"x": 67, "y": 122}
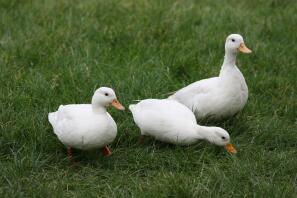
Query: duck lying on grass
{"x": 222, "y": 96}
{"x": 87, "y": 126}
{"x": 172, "y": 122}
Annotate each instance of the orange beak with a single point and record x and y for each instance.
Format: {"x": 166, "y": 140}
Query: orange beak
{"x": 244, "y": 49}
{"x": 230, "y": 149}
{"x": 115, "y": 103}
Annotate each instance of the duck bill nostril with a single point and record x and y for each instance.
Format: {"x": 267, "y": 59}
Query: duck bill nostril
{"x": 115, "y": 103}
{"x": 243, "y": 48}
{"x": 230, "y": 149}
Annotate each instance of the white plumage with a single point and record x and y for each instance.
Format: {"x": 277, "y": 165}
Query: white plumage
{"x": 221, "y": 96}
{"x": 172, "y": 122}
{"x": 86, "y": 126}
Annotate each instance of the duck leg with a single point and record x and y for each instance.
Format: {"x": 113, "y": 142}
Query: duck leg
{"x": 69, "y": 153}
{"x": 141, "y": 139}
{"x": 70, "y": 157}
{"x": 106, "y": 151}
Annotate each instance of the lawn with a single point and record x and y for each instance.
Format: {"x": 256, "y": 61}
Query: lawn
{"x": 59, "y": 52}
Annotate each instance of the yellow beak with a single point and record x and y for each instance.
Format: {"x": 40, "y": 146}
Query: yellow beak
{"x": 115, "y": 103}
{"x": 244, "y": 49}
{"x": 230, "y": 149}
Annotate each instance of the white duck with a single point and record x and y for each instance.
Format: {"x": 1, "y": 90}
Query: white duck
{"x": 169, "y": 121}
{"x": 87, "y": 126}
{"x": 221, "y": 96}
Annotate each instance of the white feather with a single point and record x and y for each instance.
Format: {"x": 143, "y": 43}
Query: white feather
{"x": 84, "y": 126}
{"x": 172, "y": 122}
{"x": 221, "y": 96}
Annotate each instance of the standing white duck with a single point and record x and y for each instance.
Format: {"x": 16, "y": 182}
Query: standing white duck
{"x": 221, "y": 96}
{"x": 169, "y": 121}
{"x": 87, "y": 126}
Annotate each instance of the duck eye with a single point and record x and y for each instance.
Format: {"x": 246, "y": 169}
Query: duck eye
{"x": 106, "y": 94}
{"x": 233, "y": 40}
{"x": 223, "y": 138}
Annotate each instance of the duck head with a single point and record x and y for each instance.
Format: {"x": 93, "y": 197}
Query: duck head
{"x": 235, "y": 43}
{"x": 221, "y": 137}
{"x": 104, "y": 97}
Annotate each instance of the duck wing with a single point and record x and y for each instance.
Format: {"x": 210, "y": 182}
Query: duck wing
{"x": 159, "y": 109}
{"x": 191, "y": 92}
{"x": 63, "y": 119}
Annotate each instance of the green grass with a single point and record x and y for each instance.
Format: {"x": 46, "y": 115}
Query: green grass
{"x": 59, "y": 52}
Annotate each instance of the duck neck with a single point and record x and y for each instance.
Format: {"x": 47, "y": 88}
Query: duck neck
{"x": 229, "y": 61}
{"x": 98, "y": 109}
{"x": 205, "y": 133}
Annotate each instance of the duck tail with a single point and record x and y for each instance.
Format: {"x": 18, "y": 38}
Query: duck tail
{"x": 52, "y": 117}
{"x": 169, "y": 95}
{"x": 131, "y": 107}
